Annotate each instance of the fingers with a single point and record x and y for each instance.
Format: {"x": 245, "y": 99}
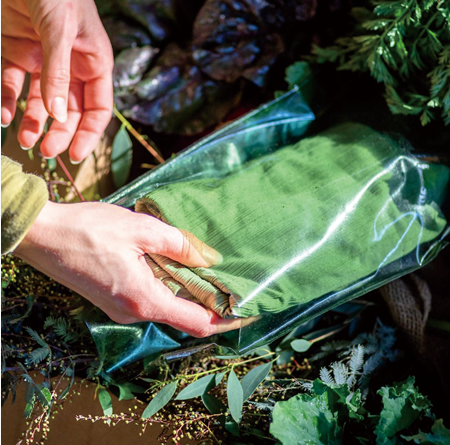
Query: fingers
{"x": 98, "y": 104}
{"x": 60, "y": 135}
{"x": 11, "y": 87}
{"x": 58, "y": 30}
{"x": 34, "y": 117}
{"x": 181, "y": 314}
{"x": 178, "y": 245}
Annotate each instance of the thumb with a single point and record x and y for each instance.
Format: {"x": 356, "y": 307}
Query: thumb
{"x": 180, "y": 245}
{"x": 58, "y": 33}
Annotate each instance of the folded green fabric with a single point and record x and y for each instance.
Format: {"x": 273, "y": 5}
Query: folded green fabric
{"x": 309, "y": 219}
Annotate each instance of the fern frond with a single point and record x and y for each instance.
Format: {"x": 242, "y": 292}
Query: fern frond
{"x": 340, "y": 372}
{"x": 37, "y": 356}
{"x": 36, "y": 337}
{"x": 325, "y": 376}
{"x": 357, "y": 359}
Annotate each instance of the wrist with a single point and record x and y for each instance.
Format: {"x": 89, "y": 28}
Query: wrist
{"x": 39, "y": 231}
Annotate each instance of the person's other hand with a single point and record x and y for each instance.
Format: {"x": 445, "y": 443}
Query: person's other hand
{"x": 98, "y": 249}
{"x": 64, "y": 47}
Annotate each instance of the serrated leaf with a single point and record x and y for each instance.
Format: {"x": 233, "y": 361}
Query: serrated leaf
{"x": 254, "y": 378}
{"x": 402, "y": 405}
{"x": 104, "y": 397}
{"x": 305, "y": 420}
{"x": 300, "y": 345}
{"x": 121, "y": 157}
{"x": 199, "y": 387}
{"x": 213, "y": 404}
{"x": 235, "y": 396}
{"x": 160, "y": 400}
{"x": 340, "y": 400}
{"x": 439, "y": 435}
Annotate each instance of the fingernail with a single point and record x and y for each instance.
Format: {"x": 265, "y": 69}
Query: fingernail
{"x": 211, "y": 256}
{"x": 75, "y": 162}
{"x": 6, "y": 125}
{"x": 59, "y": 109}
{"x": 26, "y": 148}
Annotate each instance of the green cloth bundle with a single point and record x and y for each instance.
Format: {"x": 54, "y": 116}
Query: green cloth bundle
{"x": 312, "y": 218}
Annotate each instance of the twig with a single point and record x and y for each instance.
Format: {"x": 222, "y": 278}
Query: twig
{"x": 69, "y": 177}
{"x": 139, "y": 137}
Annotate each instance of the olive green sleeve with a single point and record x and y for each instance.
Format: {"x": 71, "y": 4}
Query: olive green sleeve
{"x": 23, "y": 197}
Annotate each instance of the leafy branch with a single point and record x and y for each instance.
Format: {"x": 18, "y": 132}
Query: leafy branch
{"x": 405, "y": 46}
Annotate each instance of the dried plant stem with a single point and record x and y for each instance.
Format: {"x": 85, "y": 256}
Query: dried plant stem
{"x": 69, "y": 177}
{"x": 138, "y": 136}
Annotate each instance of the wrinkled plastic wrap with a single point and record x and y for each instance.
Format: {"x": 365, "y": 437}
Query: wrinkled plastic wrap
{"x": 303, "y": 224}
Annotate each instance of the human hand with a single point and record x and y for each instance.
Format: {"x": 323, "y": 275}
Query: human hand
{"x": 98, "y": 249}
{"x": 64, "y": 47}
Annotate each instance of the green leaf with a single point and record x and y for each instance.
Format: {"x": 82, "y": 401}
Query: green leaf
{"x": 121, "y": 157}
{"x": 199, "y": 387}
{"x": 340, "y": 399}
{"x": 235, "y": 396}
{"x": 51, "y": 164}
{"x": 254, "y": 378}
{"x": 36, "y": 336}
{"x": 298, "y": 74}
{"x": 213, "y": 404}
{"x": 305, "y": 420}
{"x": 160, "y": 400}
{"x": 439, "y": 435}
{"x": 126, "y": 390}
{"x": 29, "y": 399}
{"x": 44, "y": 395}
{"x": 402, "y": 405}
{"x": 232, "y": 427}
{"x": 37, "y": 356}
{"x": 104, "y": 397}
{"x": 300, "y": 345}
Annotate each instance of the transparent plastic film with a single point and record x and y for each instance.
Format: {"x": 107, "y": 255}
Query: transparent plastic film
{"x": 308, "y": 226}
{"x": 303, "y": 223}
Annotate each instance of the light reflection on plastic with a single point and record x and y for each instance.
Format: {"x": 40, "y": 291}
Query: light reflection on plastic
{"x": 335, "y": 224}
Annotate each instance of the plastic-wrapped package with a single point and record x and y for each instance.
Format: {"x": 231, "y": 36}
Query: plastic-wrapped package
{"x": 303, "y": 225}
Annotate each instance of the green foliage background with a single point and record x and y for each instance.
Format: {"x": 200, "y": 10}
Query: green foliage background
{"x": 406, "y": 46}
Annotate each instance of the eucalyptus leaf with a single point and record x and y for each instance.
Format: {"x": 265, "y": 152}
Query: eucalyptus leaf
{"x": 213, "y": 404}
{"x": 254, "y": 378}
{"x": 126, "y": 391}
{"x": 232, "y": 427}
{"x": 198, "y": 388}
{"x": 105, "y": 401}
{"x": 285, "y": 357}
{"x": 235, "y": 396}
{"x": 160, "y": 400}
{"x": 121, "y": 157}
{"x": 300, "y": 345}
